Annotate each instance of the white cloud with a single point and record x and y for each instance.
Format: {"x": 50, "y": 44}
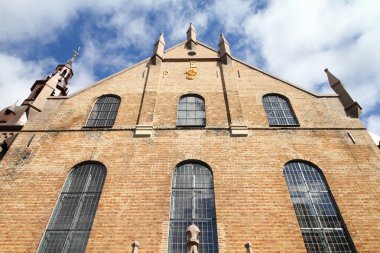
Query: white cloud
{"x": 39, "y": 19}
{"x": 373, "y": 125}
{"x": 298, "y": 39}
{"x": 17, "y": 76}
{"x": 84, "y": 67}
{"x": 232, "y": 13}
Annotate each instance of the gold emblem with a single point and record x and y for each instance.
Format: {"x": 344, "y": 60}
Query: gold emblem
{"x": 191, "y": 73}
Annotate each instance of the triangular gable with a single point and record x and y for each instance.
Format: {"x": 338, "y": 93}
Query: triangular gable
{"x": 203, "y": 51}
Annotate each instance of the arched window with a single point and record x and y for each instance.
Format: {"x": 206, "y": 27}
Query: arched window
{"x": 192, "y": 203}
{"x": 71, "y": 221}
{"x": 322, "y": 227}
{"x": 104, "y": 112}
{"x": 191, "y": 111}
{"x": 279, "y": 111}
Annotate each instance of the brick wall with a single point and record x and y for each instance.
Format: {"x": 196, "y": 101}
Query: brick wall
{"x": 251, "y": 196}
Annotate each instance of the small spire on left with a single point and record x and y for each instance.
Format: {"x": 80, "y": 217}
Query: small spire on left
{"x": 75, "y": 55}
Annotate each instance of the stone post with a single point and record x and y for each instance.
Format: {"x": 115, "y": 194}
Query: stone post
{"x": 135, "y": 247}
{"x": 192, "y": 243}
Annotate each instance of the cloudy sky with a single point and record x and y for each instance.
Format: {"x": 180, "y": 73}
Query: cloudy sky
{"x": 293, "y": 39}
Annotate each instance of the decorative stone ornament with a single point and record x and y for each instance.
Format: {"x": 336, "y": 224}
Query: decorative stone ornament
{"x": 135, "y": 247}
{"x": 191, "y": 73}
{"x": 192, "y": 243}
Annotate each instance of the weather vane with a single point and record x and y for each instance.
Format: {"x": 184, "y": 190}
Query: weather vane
{"x": 76, "y": 53}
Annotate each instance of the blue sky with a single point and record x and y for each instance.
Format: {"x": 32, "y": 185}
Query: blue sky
{"x": 294, "y": 39}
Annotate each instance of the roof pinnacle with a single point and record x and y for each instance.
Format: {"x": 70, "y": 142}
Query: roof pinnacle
{"x": 161, "y": 38}
{"x": 158, "y": 51}
{"x": 223, "y": 39}
{"x": 224, "y": 47}
{"x": 75, "y": 55}
{"x": 191, "y": 37}
{"x": 191, "y": 27}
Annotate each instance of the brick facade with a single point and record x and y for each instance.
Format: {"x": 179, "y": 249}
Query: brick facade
{"x": 251, "y": 196}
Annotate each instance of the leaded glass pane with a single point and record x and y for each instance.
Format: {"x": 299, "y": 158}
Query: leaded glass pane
{"x": 337, "y": 241}
{"x": 77, "y": 241}
{"x": 278, "y": 111}
{"x": 54, "y": 241}
{"x": 65, "y": 212}
{"x": 104, "y": 112}
{"x": 72, "y": 218}
{"x": 191, "y": 111}
{"x": 314, "y": 241}
{"x": 321, "y": 226}
{"x": 192, "y": 203}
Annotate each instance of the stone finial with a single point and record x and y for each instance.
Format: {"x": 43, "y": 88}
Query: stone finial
{"x": 248, "y": 246}
{"x": 332, "y": 79}
{"x": 158, "y": 52}
{"x": 192, "y": 242}
{"x": 224, "y": 50}
{"x": 161, "y": 39}
{"x": 135, "y": 247}
{"x": 351, "y": 107}
{"x": 191, "y": 37}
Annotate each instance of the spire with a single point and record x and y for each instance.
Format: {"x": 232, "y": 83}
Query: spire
{"x": 351, "y": 107}
{"x": 158, "y": 52}
{"x": 191, "y": 37}
{"x": 75, "y": 55}
{"x": 224, "y": 50}
{"x": 332, "y": 79}
{"x": 55, "y": 84}
{"x": 161, "y": 39}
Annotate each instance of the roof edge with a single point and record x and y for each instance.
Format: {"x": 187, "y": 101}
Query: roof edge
{"x": 105, "y": 79}
{"x": 284, "y": 81}
{"x": 210, "y": 48}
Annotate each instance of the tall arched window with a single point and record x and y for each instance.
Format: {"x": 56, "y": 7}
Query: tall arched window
{"x": 279, "y": 111}
{"x": 104, "y": 112}
{"x": 322, "y": 227}
{"x": 71, "y": 221}
{"x": 192, "y": 203}
{"x": 191, "y": 111}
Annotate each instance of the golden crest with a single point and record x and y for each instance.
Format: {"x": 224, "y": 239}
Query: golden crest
{"x": 191, "y": 73}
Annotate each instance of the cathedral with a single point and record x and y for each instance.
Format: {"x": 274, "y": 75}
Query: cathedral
{"x": 189, "y": 151}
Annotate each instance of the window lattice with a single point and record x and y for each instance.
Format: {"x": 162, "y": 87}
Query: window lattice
{"x": 321, "y": 225}
{"x": 71, "y": 222}
{"x": 104, "y": 112}
{"x": 192, "y": 203}
{"x": 191, "y": 111}
{"x": 278, "y": 111}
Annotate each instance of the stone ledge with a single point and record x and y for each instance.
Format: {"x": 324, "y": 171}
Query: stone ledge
{"x": 143, "y": 131}
{"x": 239, "y": 131}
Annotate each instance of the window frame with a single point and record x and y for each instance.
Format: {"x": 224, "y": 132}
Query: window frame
{"x": 178, "y": 110}
{"x": 316, "y": 209}
{"x": 92, "y": 109}
{"x": 205, "y": 221}
{"x": 297, "y": 124}
{"x": 65, "y": 191}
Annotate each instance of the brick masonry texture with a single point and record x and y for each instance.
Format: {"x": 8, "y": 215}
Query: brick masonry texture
{"x": 251, "y": 196}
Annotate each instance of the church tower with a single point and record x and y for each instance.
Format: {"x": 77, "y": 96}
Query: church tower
{"x": 55, "y": 84}
{"x": 14, "y": 117}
